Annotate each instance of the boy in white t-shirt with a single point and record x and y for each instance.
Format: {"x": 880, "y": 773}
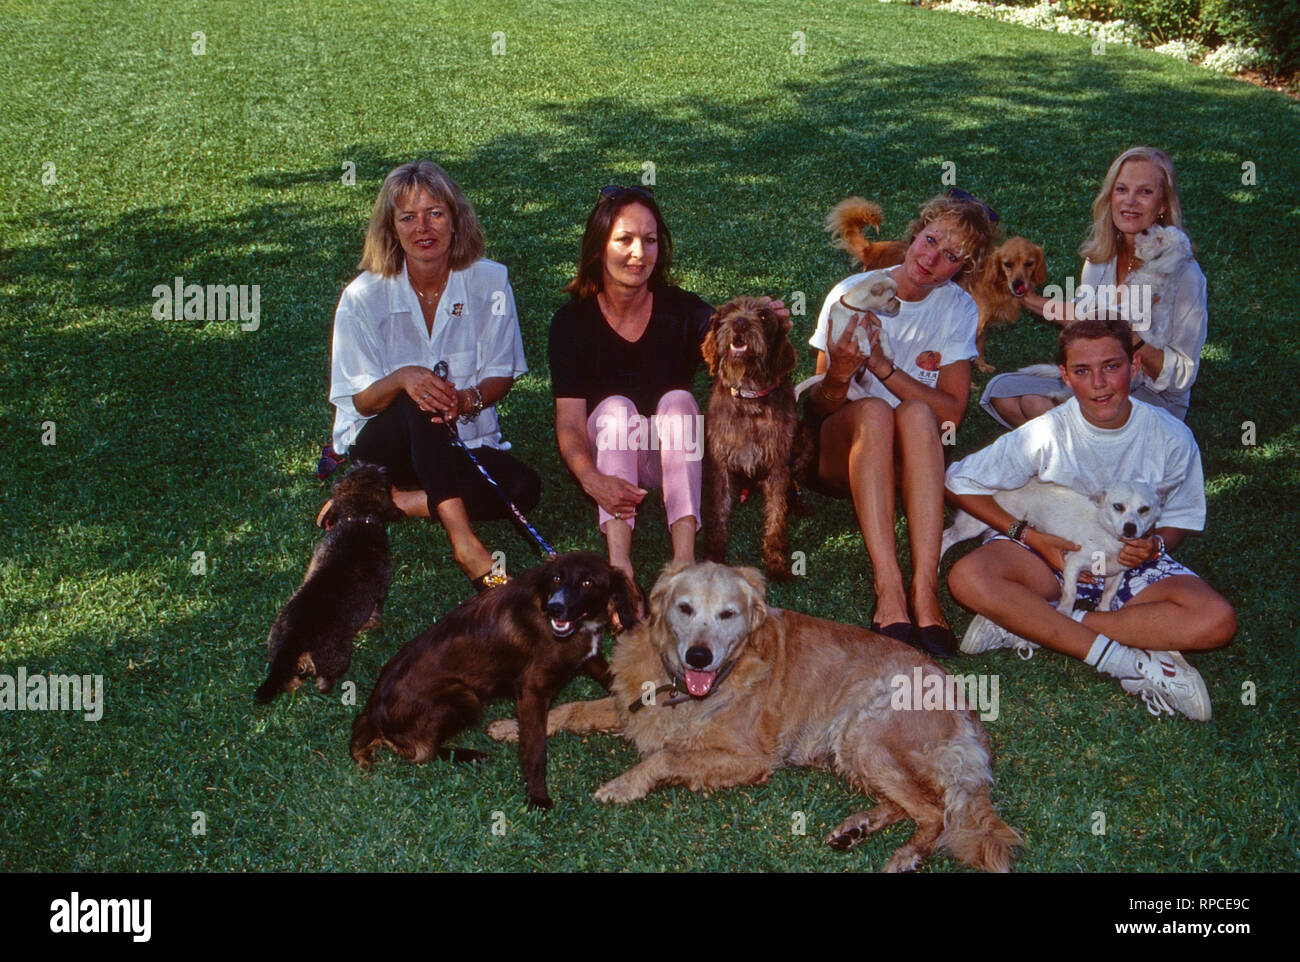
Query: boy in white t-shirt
{"x": 1013, "y": 580}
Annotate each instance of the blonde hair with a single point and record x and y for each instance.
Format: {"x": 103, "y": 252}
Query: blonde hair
{"x": 975, "y": 229}
{"x": 1100, "y": 246}
{"x": 383, "y": 254}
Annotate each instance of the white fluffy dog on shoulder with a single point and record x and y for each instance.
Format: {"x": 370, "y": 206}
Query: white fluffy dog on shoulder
{"x": 878, "y": 293}
{"x": 1163, "y": 252}
{"x": 1096, "y": 525}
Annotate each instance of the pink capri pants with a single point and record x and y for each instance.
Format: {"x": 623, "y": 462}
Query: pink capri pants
{"x": 666, "y": 450}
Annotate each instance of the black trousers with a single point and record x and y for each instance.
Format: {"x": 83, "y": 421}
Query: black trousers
{"x": 419, "y": 454}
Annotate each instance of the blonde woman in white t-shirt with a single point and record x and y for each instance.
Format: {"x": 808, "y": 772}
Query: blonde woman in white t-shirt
{"x": 880, "y": 422}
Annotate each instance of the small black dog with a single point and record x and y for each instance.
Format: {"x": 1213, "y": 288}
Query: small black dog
{"x": 343, "y": 591}
{"x": 527, "y": 638}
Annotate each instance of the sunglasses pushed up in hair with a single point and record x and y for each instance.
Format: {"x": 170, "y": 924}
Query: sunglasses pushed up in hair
{"x": 617, "y": 192}
{"x": 956, "y": 193}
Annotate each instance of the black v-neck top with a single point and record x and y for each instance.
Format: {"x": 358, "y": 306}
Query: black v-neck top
{"x": 590, "y": 360}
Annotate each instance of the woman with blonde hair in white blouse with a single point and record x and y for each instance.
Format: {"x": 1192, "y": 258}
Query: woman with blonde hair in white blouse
{"x": 427, "y": 295}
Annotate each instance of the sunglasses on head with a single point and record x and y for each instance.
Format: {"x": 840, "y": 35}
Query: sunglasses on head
{"x": 617, "y": 192}
{"x": 956, "y": 193}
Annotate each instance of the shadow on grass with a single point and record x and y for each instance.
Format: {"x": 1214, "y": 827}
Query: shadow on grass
{"x": 167, "y": 407}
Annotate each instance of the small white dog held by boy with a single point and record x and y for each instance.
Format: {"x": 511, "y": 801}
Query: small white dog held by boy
{"x": 1099, "y": 436}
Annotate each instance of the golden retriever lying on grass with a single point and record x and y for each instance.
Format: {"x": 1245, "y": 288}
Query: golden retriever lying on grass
{"x": 716, "y": 689}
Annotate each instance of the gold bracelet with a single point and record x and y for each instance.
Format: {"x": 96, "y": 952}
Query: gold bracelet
{"x": 827, "y": 396}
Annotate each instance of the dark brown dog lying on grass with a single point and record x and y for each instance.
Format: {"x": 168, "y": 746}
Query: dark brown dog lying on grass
{"x": 527, "y": 638}
{"x": 753, "y": 433}
{"x": 343, "y": 591}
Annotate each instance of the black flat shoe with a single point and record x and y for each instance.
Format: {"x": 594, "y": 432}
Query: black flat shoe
{"x": 938, "y": 641}
{"x": 903, "y": 631}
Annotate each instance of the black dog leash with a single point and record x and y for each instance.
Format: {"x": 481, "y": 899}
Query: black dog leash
{"x": 442, "y": 370}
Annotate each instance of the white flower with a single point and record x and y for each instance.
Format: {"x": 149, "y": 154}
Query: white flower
{"x": 1230, "y": 58}
{"x": 1183, "y": 49}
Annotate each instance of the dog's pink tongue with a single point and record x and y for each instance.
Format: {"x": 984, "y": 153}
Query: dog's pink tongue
{"x": 698, "y": 683}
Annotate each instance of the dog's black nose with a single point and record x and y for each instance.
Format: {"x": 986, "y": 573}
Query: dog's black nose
{"x": 699, "y": 657}
{"x": 1130, "y": 530}
{"x": 740, "y": 325}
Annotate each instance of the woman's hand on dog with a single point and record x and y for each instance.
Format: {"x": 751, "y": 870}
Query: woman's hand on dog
{"x": 844, "y": 357}
{"x": 877, "y": 363}
{"x": 1137, "y": 551}
{"x": 431, "y": 394}
{"x": 780, "y": 310}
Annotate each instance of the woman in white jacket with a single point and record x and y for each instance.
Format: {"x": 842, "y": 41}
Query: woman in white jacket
{"x": 1140, "y": 190}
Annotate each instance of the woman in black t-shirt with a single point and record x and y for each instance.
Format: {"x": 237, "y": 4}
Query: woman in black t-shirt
{"x": 623, "y": 353}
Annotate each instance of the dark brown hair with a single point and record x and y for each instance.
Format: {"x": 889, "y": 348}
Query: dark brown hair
{"x": 1094, "y": 329}
{"x": 590, "y": 278}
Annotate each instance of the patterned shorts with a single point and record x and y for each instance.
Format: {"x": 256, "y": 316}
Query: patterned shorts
{"x": 1132, "y": 581}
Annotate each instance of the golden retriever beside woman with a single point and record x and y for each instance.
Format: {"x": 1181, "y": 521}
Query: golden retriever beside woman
{"x": 716, "y": 689}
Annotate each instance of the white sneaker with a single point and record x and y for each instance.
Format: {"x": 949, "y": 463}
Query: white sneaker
{"x": 1168, "y": 682}
{"x": 983, "y": 635}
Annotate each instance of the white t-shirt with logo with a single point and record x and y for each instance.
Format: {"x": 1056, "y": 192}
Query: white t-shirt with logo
{"x": 922, "y": 337}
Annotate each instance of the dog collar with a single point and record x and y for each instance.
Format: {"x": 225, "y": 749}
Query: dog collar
{"x": 856, "y": 310}
{"x": 741, "y": 392}
{"x": 363, "y": 518}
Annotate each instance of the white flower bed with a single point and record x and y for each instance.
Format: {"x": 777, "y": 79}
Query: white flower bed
{"x": 1043, "y": 17}
{"x": 1231, "y": 58}
{"x": 968, "y": 7}
{"x": 1183, "y": 49}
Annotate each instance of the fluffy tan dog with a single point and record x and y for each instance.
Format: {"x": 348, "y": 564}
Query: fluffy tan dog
{"x": 1009, "y": 273}
{"x": 716, "y": 689}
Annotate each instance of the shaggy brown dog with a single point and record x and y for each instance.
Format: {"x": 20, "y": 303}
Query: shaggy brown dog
{"x": 752, "y": 431}
{"x": 1007, "y": 274}
{"x": 527, "y": 638}
{"x": 343, "y": 591}
{"x": 761, "y": 689}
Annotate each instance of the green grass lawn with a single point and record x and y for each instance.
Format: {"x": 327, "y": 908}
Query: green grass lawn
{"x": 126, "y": 160}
